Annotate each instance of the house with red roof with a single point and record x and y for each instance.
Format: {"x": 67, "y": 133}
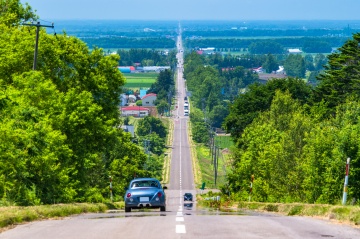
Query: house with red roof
{"x": 136, "y": 111}
{"x": 149, "y": 99}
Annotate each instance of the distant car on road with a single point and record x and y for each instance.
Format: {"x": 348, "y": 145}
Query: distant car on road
{"x": 145, "y": 193}
{"x": 185, "y": 98}
{"x": 188, "y": 197}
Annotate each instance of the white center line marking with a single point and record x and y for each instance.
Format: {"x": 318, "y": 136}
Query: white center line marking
{"x": 180, "y": 229}
{"x": 179, "y": 219}
{"x": 179, "y": 214}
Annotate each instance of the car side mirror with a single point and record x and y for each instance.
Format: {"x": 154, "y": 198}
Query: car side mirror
{"x": 164, "y": 187}
{"x": 126, "y": 188}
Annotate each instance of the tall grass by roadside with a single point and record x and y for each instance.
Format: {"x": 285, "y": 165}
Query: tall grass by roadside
{"x": 195, "y": 161}
{"x": 169, "y": 141}
{"x": 207, "y": 167}
{"x": 339, "y": 213}
{"x": 15, "y": 215}
{"x": 223, "y": 141}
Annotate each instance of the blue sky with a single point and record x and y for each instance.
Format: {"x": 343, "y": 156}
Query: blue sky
{"x": 197, "y": 9}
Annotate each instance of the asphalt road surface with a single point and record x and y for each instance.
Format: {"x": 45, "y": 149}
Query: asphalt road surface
{"x": 180, "y": 220}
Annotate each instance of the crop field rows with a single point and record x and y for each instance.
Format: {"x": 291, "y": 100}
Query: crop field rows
{"x": 139, "y": 80}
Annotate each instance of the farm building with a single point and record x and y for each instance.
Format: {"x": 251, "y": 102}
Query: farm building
{"x": 136, "y": 111}
{"x": 155, "y": 68}
{"x": 207, "y": 50}
{"x": 294, "y": 51}
{"x": 149, "y": 99}
{"x": 126, "y": 69}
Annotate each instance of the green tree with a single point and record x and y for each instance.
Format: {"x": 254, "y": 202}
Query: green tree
{"x": 14, "y": 12}
{"x": 59, "y": 133}
{"x": 294, "y": 66}
{"x": 150, "y": 124}
{"x": 138, "y": 103}
{"x": 266, "y": 47}
{"x": 258, "y": 98}
{"x": 341, "y": 76}
{"x": 164, "y": 86}
{"x": 320, "y": 61}
{"x": 162, "y": 107}
{"x": 315, "y": 46}
{"x": 270, "y": 64}
{"x": 156, "y": 144}
{"x": 218, "y": 114}
{"x": 309, "y": 62}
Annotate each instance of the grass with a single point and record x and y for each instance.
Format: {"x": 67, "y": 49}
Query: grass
{"x": 223, "y": 141}
{"x": 139, "y": 80}
{"x": 195, "y": 161}
{"x": 339, "y": 213}
{"x": 151, "y": 75}
{"x": 167, "y": 159}
{"x": 203, "y": 155}
{"x": 15, "y": 215}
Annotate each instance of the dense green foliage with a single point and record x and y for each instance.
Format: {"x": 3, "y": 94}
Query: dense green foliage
{"x": 292, "y": 137}
{"x": 316, "y": 46}
{"x": 294, "y": 66}
{"x": 164, "y": 87}
{"x": 258, "y": 98}
{"x": 212, "y": 87}
{"x": 295, "y": 141}
{"x": 294, "y": 157}
{"x": 118, "y": 42}
{"x": 264, "y": 30}
{"x": 270, "y": 64}
{"x": 288, "y": 42}
{"x": 266, "y": 47}
{"x": 146, "y": 57}
{"x": 59, "y": 140}
{"x": 341, "y": 76}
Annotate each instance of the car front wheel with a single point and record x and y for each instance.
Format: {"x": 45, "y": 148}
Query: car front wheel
{"x": 127, "y": 209}
{"x": 163, "y": 209}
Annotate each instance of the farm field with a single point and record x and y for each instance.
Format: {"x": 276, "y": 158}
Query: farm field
{"x": 139, "y": 80}
{"x": 223, "y": 141}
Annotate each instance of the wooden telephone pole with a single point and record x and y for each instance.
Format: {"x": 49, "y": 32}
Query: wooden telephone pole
{"x": 37, "y": 25}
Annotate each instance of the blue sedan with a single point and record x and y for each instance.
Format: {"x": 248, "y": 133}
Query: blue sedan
{"x": 145, "y": 193}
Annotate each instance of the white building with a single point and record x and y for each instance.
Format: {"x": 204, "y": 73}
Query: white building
{"x": 124, "y": 100}
{"x": 208, "y": 50}
{"x": 149, "y": 99}
{"x": 155, "y": 68}
{"x": 136, "y": 111}
{"x": 294, "y": 51}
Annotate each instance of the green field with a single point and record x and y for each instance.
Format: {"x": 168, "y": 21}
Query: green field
{"x": 223, "y": 141}
{"x": 139, "y": 80}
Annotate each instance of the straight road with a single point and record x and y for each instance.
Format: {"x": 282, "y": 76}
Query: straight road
{"x": 179, "y": 221}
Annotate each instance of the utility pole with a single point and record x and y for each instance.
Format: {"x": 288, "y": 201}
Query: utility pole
{"x": 216, "y": 162}
{"x": 111, "y": 193}
{"x": 37, "y": 25}
{"x": 346, "y": 181}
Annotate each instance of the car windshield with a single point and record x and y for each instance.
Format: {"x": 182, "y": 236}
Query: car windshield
{"x": 147, "y": 183}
